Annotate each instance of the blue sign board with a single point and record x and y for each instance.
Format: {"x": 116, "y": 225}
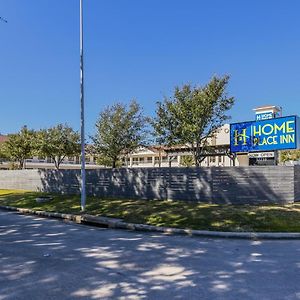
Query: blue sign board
{"x": 265, "y": 135}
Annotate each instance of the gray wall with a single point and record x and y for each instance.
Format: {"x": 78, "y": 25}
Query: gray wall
{"x": 236, "y": 185}
{"x": 297, "y": 183}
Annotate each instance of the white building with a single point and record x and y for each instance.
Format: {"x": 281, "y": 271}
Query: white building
{"x": 158, "y": 156}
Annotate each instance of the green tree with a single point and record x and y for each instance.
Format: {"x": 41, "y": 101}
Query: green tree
{"x": 3, "y": 152}
{"x": 58, "y": 142}
{"x": 187, "y": 161}
{"x": 19, "y": 146}
{"x": 193, "y": 115}
{"x": 119, "y": 131}
{"x": 108, "y": 162}
{"x": 289, "y": 155}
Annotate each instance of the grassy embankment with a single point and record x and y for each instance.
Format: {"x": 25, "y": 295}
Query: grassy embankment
{"x": 170, "y": 213}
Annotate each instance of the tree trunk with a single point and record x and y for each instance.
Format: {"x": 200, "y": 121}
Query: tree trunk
{"x": 56, "y": 163}
{"x": 21, "y": 164}
{"x": 58, "y": 160}
{"x": 199, "y": 155}
{"x": 159, "y": 158}
{"x": 196, "y": 157}
{"x": 114, "y": 163}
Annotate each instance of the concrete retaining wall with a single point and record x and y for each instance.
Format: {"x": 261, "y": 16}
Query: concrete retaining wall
{"x": 235, "y": 185}
{"x": 297, "y": 182}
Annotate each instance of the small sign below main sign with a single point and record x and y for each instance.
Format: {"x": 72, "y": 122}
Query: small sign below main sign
{"x": 266, "y": 135}
{"x": 261, "y": 154}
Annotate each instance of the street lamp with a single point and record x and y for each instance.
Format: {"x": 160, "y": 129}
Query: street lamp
{"x": 83, "y": 192}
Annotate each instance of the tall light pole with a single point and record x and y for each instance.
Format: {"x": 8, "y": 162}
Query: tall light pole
{"x": 83, "y": 192}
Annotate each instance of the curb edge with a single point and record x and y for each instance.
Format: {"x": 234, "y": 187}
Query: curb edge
{"x": 119, "y": 224}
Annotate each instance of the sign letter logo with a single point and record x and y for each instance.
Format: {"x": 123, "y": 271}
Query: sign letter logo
{"x": 240, "y": 137}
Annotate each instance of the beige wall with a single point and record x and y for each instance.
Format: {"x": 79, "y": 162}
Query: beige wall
{"x": 243, "y": 160}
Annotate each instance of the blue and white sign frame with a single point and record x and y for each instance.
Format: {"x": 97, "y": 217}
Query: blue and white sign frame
{"x": 266, "y": 135}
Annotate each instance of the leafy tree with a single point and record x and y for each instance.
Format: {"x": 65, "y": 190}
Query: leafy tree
{"x": 187, "y": 161}
{"x": 3, "y": 152}
{"x": 19, "y": 146}
{"x": 107, "y": 162}
{"x": 58, "y": 142}
{"x": 289, "y": 155}
{"x": 119, "y": 131}
{"x": 193, "y": 115}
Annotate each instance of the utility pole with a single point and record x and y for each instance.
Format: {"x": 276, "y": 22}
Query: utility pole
{"x": 83, "y": 192}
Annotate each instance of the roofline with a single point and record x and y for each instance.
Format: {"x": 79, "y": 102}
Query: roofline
{"x": 279, "y": 108}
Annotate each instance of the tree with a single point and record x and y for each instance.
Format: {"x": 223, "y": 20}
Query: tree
{"x": 58, "y": 142}
{"x": 3, "y": 152}
{"x": 187, "y": 161}
{"x": 193, "y": 115}
{"x": 119, "y": 131}
{"x": 108, "y": 162}
{"x": 289, "y": 155}
{"x": 19, "y": 146}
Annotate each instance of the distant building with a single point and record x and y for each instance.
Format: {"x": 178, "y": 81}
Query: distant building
{"x": 3, "y": 138}
{"x": 218, "y": 154}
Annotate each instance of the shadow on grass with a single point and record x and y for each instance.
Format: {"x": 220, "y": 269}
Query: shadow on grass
{"x": 176, "y": 214}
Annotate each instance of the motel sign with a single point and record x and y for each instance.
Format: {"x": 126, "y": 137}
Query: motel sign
{"x": 265, "y": 135}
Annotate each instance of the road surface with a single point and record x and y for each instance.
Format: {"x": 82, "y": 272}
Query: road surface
{"x": 49, "y": 259}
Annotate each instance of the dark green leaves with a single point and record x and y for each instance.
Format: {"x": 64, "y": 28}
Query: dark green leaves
{"x": 119, "y": 131}
{"x": 19, "y": 146}
{"x": 57, "y": 142}
{"x": 193, "y": 114}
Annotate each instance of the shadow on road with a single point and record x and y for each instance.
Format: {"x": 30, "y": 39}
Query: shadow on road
{"x": 47, "y": 259}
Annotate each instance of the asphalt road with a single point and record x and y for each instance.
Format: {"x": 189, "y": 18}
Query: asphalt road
{"x": 48, "y": 259}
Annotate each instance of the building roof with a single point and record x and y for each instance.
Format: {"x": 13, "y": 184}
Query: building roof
{"x": 3, "y": 138}
{"x": 267, "y": 107}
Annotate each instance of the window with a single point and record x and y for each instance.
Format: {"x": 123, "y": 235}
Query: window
{"x": 149, "y": 159}
{"x": 212, "y": 159}
{"x": 142, "y": 159}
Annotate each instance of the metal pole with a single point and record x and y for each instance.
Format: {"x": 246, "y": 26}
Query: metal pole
{"x": 83, "y": 192}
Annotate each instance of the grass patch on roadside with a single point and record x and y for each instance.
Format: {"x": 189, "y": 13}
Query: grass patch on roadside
{"x": 178, "y": 214}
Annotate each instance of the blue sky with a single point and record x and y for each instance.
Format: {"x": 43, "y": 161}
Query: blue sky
{"x": 141, "y": 49}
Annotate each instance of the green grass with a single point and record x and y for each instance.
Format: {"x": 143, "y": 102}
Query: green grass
{"x": 179, "y": 214}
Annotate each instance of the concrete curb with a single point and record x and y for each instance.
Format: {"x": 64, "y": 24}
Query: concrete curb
{"x": 119, "y": 224}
